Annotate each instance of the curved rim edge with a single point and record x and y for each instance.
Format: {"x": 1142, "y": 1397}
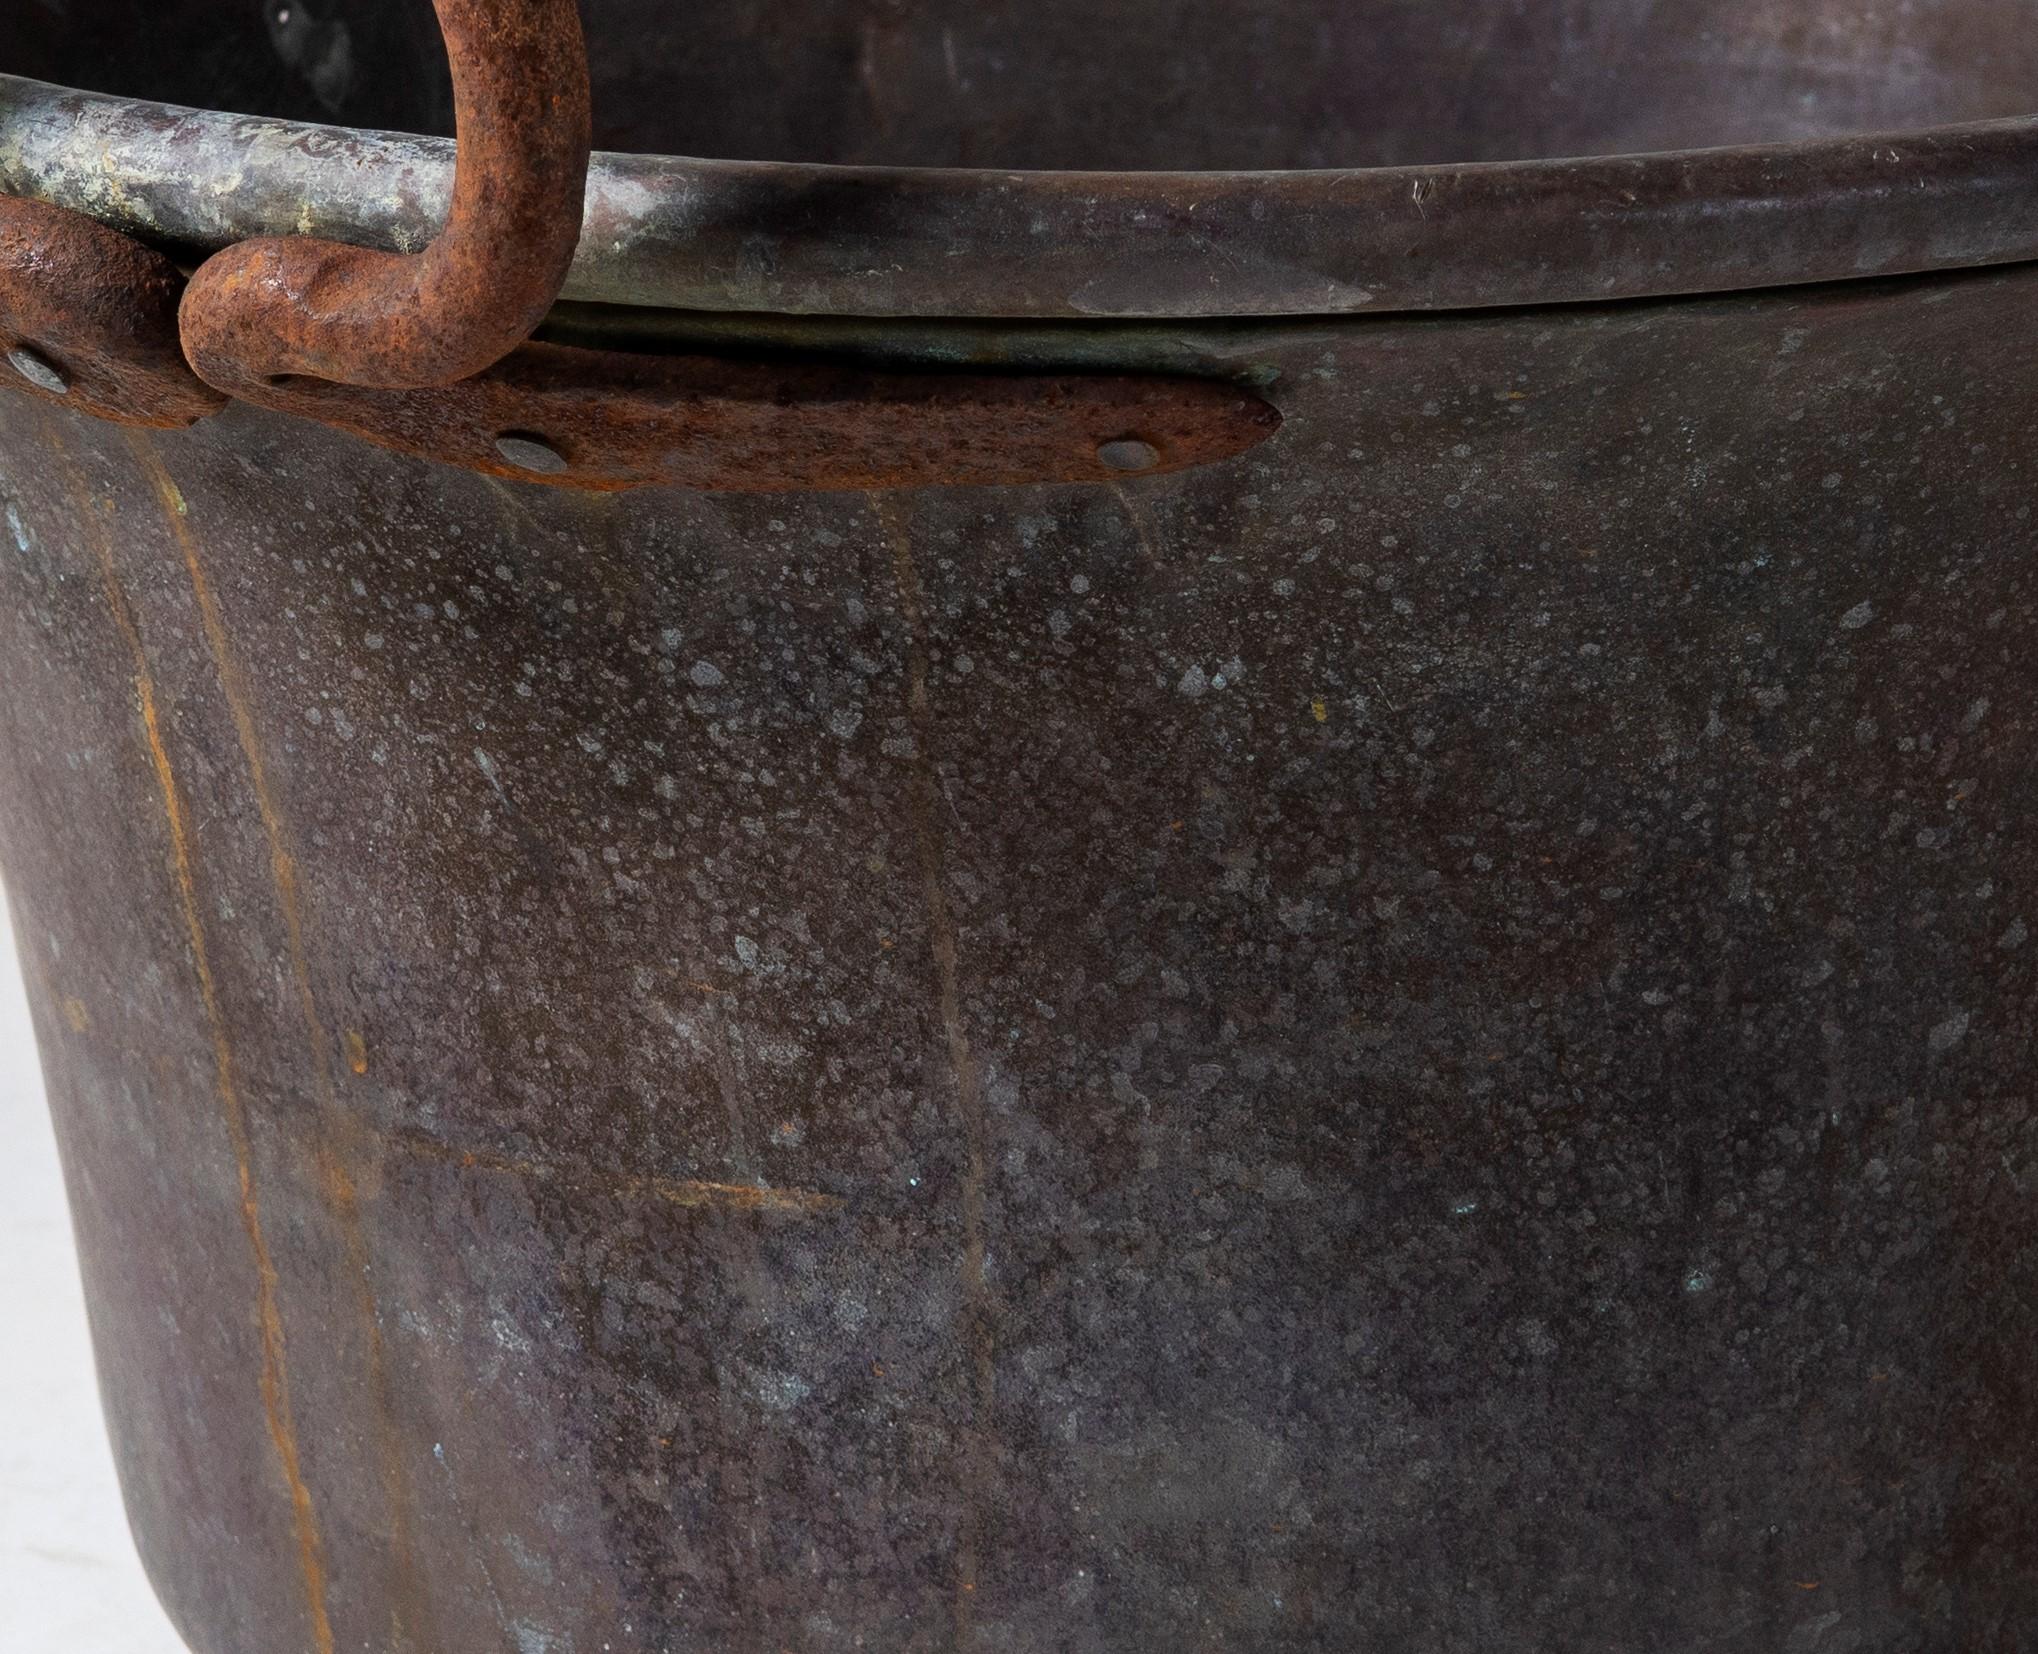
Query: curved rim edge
{"x": 794, "y": 239}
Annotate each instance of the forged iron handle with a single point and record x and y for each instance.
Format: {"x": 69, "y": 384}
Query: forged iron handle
{"x": 280, "y": 307}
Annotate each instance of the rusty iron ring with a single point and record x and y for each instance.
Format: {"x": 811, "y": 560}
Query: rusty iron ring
{"x": 280, "y": 307}
{"x": 88, "y": 319}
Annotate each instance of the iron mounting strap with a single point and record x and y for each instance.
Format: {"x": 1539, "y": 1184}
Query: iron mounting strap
{"x": 88, "y": 317}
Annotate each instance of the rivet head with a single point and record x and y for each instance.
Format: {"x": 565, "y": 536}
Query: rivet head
{"x": 38, "y": 370}
{"x": 530, "y": 453}
{"x": 1128, "y": 453}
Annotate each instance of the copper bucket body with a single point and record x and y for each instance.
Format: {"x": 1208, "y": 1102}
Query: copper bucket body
{"x": 1418, "y": 1038}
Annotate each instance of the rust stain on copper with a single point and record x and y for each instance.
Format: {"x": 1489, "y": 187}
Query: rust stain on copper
{"x": 282, "y": 863}
{"x": 275, "y": 1377}
{"x": 979, "y": 1308}
{"x": 1141, "y": 529}
{"x": 686, "y": 1192}
{"x": 409, "y": 1608}
{"x": 746, "y": 1453}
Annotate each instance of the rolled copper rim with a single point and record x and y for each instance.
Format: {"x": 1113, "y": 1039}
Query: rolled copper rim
{"x": 713, "y": 235}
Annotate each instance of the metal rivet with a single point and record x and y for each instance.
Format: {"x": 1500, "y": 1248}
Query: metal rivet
{"x": 1128, "y": 453}
{"x": 530, "y": 453}
{"x": 38, "y": 370}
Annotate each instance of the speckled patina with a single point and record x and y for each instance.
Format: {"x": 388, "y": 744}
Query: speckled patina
{"x": 1427, "y": 1034}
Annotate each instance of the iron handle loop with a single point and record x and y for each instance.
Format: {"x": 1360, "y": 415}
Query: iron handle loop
{"x": 279, "y": 307}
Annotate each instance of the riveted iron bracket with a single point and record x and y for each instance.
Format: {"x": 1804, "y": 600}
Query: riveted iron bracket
{"x": 88, "y": 317}
{"x": 608, "y": 420}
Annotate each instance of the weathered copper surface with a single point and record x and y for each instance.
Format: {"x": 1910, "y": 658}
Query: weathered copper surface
{"x": 1424, "y": 1037}
{"x": 89, "y": 316}
{"x": 1416, "y": 1039}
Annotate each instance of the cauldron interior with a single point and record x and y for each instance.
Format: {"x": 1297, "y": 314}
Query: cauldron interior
{"x": 1132, "y": 84}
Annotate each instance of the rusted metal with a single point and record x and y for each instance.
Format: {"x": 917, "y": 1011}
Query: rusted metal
{"x": 88, "y": 316}
{"x": 358, "y": 316}
{"x": 409, "y": 351}
{"x": 613, "y": 420}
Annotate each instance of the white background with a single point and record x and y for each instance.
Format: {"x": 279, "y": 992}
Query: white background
{"x": 69, "y": 1581}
